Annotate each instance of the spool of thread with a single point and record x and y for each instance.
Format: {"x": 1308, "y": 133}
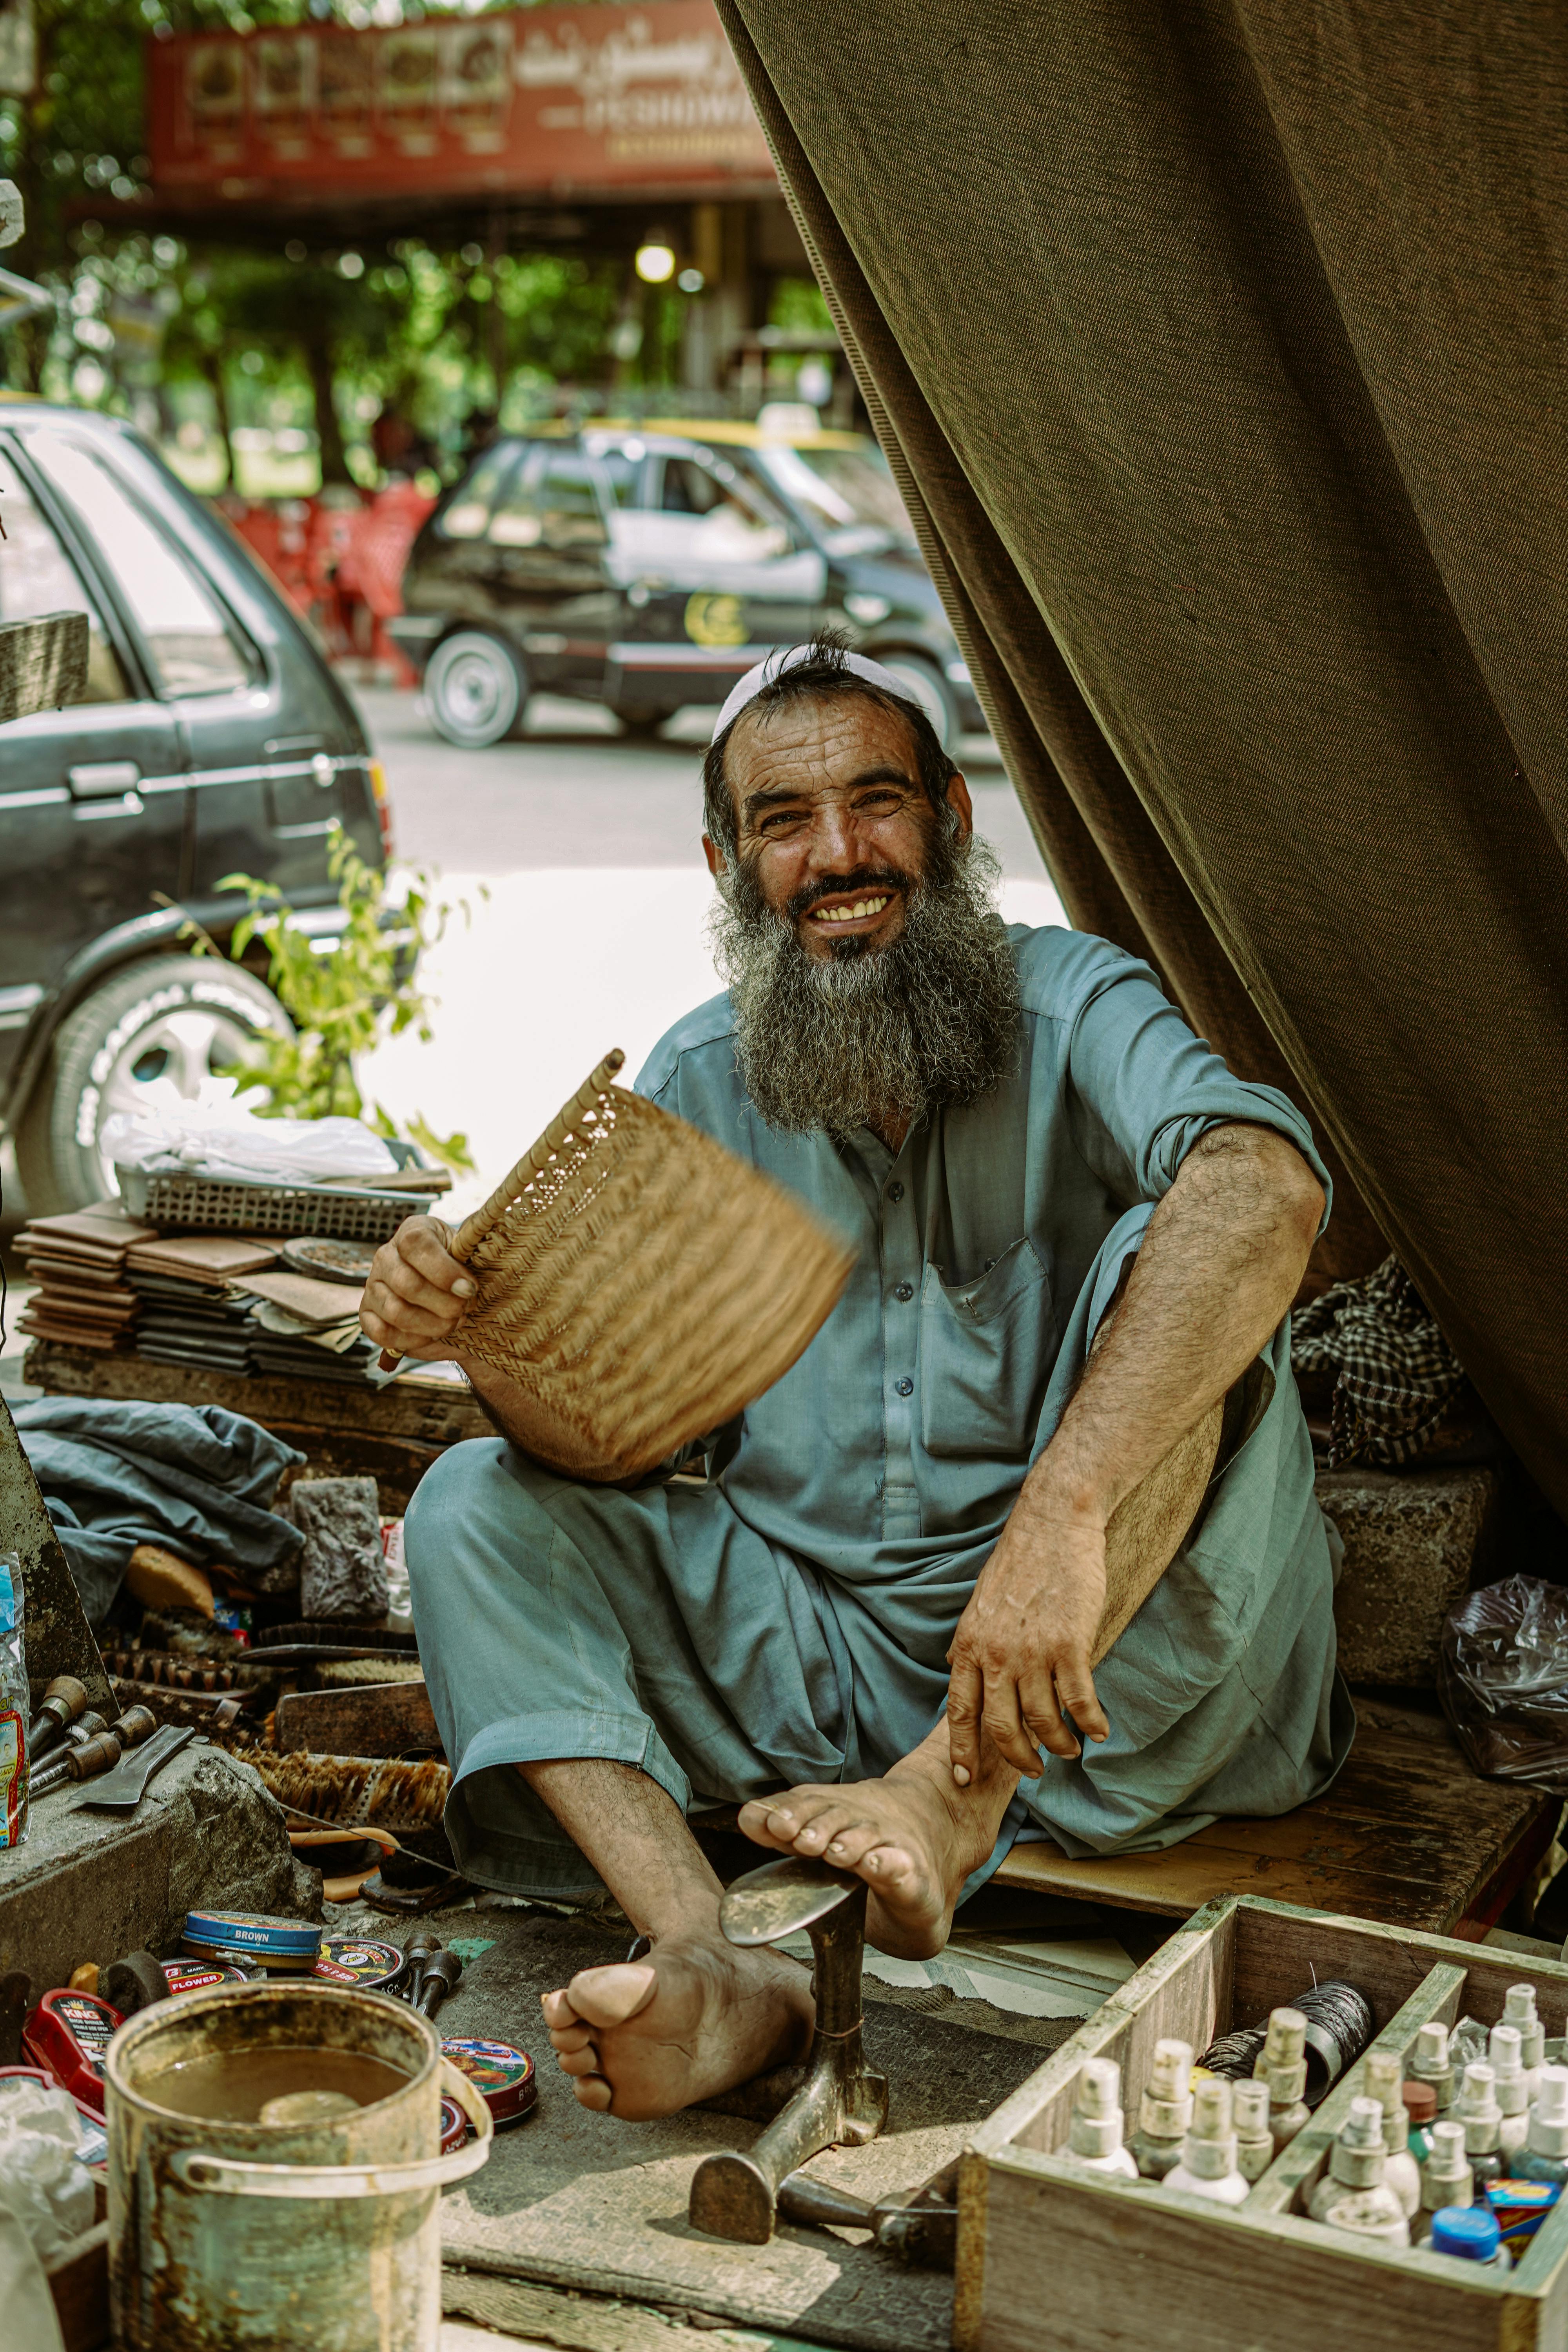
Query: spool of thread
{"x": 1337, "y": 2024}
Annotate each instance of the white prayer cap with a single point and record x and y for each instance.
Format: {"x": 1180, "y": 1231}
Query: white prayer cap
{"x": 763, "y": 673}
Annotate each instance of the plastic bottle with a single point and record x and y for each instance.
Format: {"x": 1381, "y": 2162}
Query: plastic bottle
{"x": 1164, "y": 2111}
{"x": 1420, "y": 2114}
{"x": 1519, "y": 2009}
{"x": 1208, "y": 2167}
{"x": 1431, "y": 2064}
{"x": 1544, "y": 2156}
{"x": 1282, "y": 2065}
{"x": 1385, "y": 2082}
{"x": 1471, "y": 2232}
{"x": 1477, "y": 2109}
{"x": 1094, "y": 2135}
{"x": 1445, "y": 2180}
{"x": 1353, "y": 2195}
{"x": 1253, "y": 2139}
{"x": 1510, "y": 2090}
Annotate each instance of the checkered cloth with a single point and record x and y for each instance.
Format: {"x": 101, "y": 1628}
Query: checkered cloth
{"x": 1396, "y": 1375}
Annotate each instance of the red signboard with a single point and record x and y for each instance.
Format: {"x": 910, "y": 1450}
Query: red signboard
{"x": 571, "y": 100}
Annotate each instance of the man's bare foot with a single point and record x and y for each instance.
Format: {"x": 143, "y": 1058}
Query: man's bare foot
{"x": 643, "y": 2037}
{"x": 914, "y": 1838}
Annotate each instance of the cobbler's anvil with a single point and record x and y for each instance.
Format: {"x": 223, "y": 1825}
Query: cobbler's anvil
{"x": 839, "y": 2102}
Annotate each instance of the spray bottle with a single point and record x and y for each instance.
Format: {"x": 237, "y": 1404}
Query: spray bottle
{"x": 1385, "y": 2082}
{"x": 1253, "y": 2139}
{"x": 1432, "y": 2064}
{"x": 1208, "y": 2167}
{"x": 1477, "y": 2109}
{"x": 1446, "y": 2180}
{"x": 1094, "y": 2135}
{"x": 1544, "y": 2156}
{"x": 1511, "y": 2090}
{"x": 1519, "y": 2009}
{"x": 1282, "y": 2065}
{"x": 1164, "y": 2111}
{"x": 1352, "y": 2196}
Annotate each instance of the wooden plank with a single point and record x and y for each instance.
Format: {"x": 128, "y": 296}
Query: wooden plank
{"x": 357, "y": 1719}
{"x": 1408, "y": 1834}
{"x": 43, "y": 663}
{"x": 78, "y": 2282}
{"x": 1296, "y": 2169}
{"x": 1078, "y": 2265}
{"x": 1275, "y": 1946}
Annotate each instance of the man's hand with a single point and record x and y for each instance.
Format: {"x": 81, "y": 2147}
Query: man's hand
{"x": 417, "y": 1294}
{"x": 1020, "y": 1658}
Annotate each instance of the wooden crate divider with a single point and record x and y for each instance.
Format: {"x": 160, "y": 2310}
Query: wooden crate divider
{"x": 1296, "y": 2169}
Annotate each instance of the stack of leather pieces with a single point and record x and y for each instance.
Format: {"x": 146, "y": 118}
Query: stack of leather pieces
{"x": 308, "y": 1330}
{"x": 195, "y": 1306}
{"x": 77, "y": 1261}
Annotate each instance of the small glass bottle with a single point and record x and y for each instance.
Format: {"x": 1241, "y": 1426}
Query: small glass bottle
{"x": 1253, "y": 2139}
{"x": 1446, "y": 2180}
{"x": 1164, "y": 2110}
{"x": 1471, "y": 2232}
{"x": 1383, "y": 2080}
{"x": 1519, "y": 2009}
{"x": 1477, "y": 2109}
{"x": 1544, "y": 2156}
{"x": 1431, "y": 2064}
{"x": 1094, "y": 2135}
{"x": 1282, "y": 2065}
{"x": 1352, "y": 2196}
{"x": 1420, "y": 2114}
{"x": 1208, "y": 2167}
{"x": 1509, "y": 2088}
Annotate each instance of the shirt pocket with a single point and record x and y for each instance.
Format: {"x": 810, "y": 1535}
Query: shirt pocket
{"x": 985, "y": 1352}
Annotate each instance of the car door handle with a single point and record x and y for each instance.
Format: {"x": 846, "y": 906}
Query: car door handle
{"x": 105, "y": 788}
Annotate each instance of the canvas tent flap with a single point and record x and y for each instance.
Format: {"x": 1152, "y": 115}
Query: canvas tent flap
{"x": 1215, "y": 347}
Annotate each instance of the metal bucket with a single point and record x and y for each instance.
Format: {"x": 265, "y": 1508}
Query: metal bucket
{"x": 237, "y": 2237}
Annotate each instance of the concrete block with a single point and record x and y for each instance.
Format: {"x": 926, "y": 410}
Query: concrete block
{"x": 85, "y": 1886}
{"x": 1415, "y": 1542}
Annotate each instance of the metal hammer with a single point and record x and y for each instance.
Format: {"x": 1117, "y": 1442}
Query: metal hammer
{"x": 839, "y": 2102}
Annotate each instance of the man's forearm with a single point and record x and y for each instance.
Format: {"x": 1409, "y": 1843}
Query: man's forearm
{"x": 1219, "y": 1265}
{"x": 533, "y": 1428}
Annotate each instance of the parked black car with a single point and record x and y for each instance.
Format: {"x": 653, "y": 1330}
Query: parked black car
{"x": 213, "y": 739}
{"x": 648, "y": 566}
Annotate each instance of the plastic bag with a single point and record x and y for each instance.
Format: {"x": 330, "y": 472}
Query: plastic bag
{"x": 279, "y": 1150}
{"x": 42, "y": 2177}
{"x": 14, "y": 1705}
{"x": 1502, "y": 1678}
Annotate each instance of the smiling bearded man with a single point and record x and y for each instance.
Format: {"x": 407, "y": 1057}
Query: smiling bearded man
{"x": 1041, "y": 1482}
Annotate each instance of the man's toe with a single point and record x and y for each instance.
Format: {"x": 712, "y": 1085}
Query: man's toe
{"x": 559, "y": 2013}
{"x": 594, "y": 2091}
{"x": 567, "y": 2038}
{"x": 609, "y": 1996}
{"x": 846, "y": 1847}
{"x": 578, "y": 2061}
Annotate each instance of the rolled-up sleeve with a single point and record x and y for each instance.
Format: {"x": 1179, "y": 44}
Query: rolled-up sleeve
{"x": 1141, "y": 1088}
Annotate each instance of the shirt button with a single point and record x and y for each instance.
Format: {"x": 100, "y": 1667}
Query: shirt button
{"x": 906, "y": 1388}
{"x": 895, "y": 1192}
{"x": 904, "y": 1290}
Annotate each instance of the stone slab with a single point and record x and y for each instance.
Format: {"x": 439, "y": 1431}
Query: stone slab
{"x": 1415, "y": 1542}
{"x": 86, "y": 1886}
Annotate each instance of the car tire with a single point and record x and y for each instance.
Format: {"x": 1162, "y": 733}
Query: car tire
{"x": 642, "y": 724}
{"x": 476, "y": 688}
{"x": 172, "y": 1017}
{"x": 925, "y": 685}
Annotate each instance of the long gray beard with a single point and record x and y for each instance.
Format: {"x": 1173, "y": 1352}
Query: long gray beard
{"x": 859, "y": 1039}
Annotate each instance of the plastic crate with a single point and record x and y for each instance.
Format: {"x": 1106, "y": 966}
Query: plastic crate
{"x": 234, "y": 1205}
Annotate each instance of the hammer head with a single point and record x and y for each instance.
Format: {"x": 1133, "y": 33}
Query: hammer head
{"x": 782, "y": 1897}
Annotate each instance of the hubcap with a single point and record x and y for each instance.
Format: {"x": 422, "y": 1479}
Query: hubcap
{"x": 170, "y": 1064}
{"x": 474, "y": 690}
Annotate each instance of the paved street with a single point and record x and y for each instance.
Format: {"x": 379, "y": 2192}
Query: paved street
{"x": 593, "y": 934}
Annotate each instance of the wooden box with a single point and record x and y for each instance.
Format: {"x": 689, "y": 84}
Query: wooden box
{"x": 1053, "y": 2259}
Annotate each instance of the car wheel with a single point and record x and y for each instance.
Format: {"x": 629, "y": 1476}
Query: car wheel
{"x": 476, "y": 687}
{"x": 925, "y": 685}
{"x": 152, "y": 1038}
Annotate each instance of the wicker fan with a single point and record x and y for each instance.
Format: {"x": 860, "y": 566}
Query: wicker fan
{"x": 640, "y": 1280}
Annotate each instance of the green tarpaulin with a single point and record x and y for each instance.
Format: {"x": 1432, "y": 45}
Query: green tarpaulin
{"x": 1219, "y": 351}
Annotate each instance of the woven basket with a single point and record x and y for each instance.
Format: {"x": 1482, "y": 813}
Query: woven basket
{"x": 640, "y": 1280}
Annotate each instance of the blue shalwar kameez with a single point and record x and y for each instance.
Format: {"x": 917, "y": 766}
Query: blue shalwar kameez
{"x": 790, "y": 1621}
